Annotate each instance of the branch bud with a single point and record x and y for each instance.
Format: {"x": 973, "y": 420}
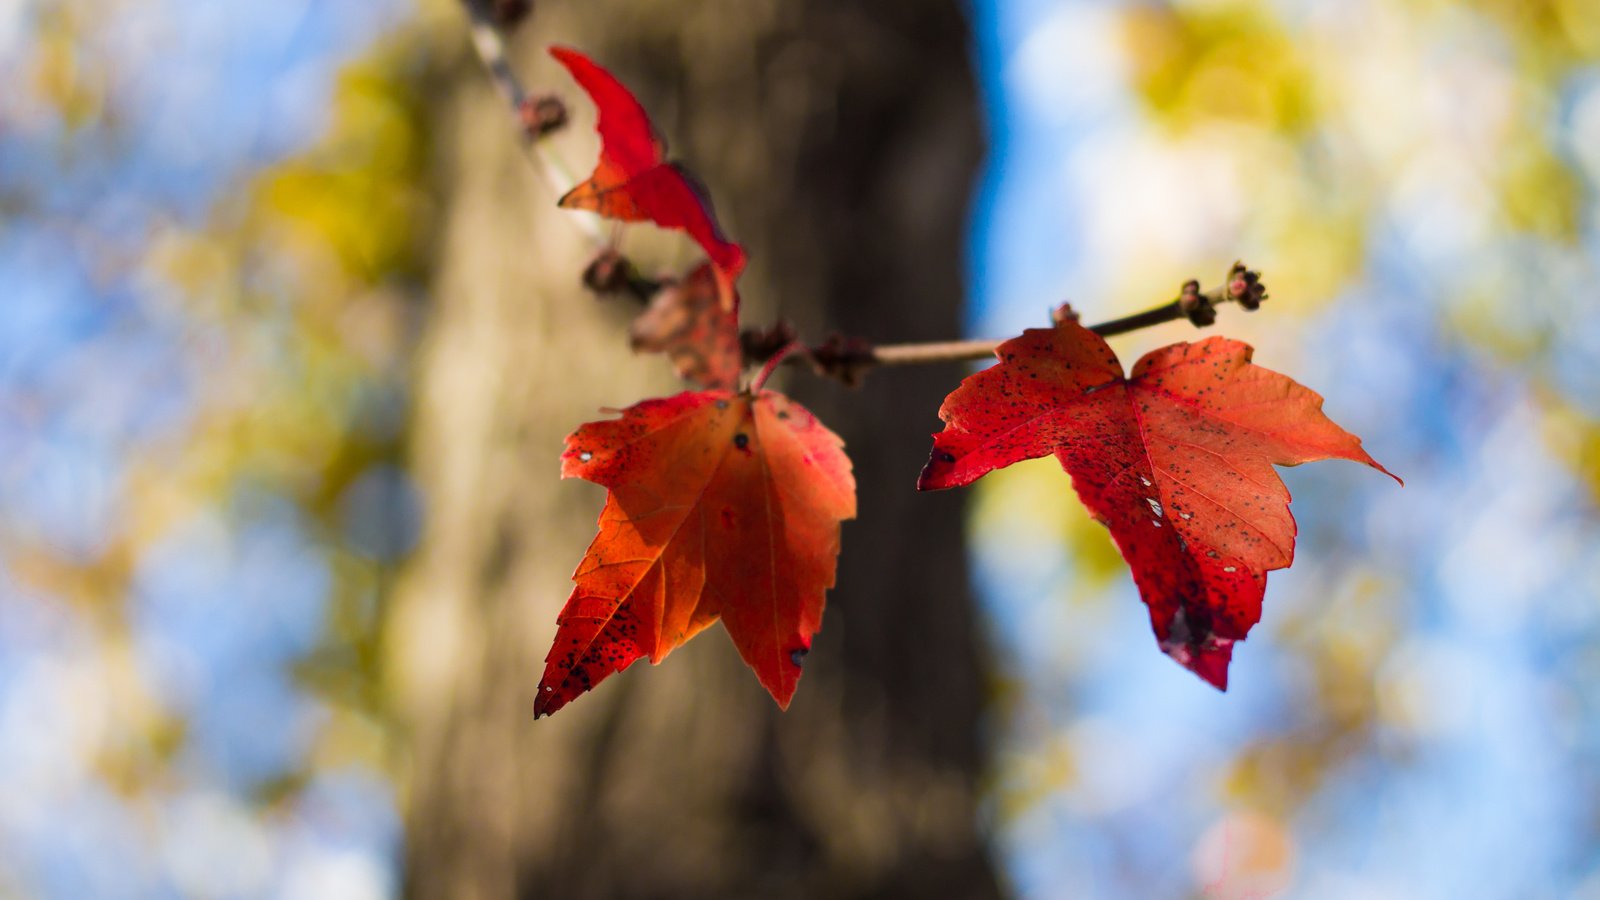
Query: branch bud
{"x": 611, "y": 273}
{"x": 1245, "y": 287}
{"x": 761, "y": 344}
{"x": 542, "y": 115}
{"x": 844, "y": 358}
{"x": 508, "y": 14}
{"x": 1196, "y": 305}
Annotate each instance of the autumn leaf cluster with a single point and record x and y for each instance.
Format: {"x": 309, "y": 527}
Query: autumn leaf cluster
{"x": 725, "y": 502}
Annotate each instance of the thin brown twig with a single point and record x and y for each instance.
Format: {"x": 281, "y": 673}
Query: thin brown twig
{"x": 491, "y": 49}
{"x": 983, "y": 348}
{"x": 847, "y": 359}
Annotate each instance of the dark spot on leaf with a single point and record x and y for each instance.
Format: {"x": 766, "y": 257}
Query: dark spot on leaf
{"x": 946, "y": 456}
{"x": 741, "y": 441}
{"x": 798, "y": 656}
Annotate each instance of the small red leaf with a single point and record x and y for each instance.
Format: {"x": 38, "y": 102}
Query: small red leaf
{"x": 635, "y": 182}
{"x": 685, "y": 321}
{"x": 1176, "y": 460}
{"x": 719, "y": 505}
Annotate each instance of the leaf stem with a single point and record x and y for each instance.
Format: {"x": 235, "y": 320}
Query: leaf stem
{"x": 794, "y": 349}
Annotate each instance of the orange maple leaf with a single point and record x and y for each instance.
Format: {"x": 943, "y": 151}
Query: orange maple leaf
{"x": 720, "y": 505}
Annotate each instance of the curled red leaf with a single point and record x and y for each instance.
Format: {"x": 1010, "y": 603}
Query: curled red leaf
{"x": 635, "y": 182}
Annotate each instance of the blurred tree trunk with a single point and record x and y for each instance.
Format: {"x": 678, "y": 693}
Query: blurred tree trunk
{"x": 840, "y": 140}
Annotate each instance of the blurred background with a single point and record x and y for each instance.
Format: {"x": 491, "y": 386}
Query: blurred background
{"x": 291, "y": 334}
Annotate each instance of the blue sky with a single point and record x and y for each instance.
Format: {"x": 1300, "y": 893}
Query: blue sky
{"x": 94, "y": 367}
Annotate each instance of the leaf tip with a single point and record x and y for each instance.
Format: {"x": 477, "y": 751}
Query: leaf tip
{"x": 1216, "y": 676}
{"x": 783, "y": 692}
{"x": 938, "y": 472}
{"x": 574, "y": 460}
{"x": 1211, "y": 664}
{"x": 1362, "y": 456}
{"x": 547, "y": 702}
{"x": 1201, "y": 652}
{"x": 565, "y": 55}
{"x": 1379, "y": 466}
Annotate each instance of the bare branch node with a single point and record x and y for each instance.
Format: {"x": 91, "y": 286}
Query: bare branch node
{"x": 508, "y": 14}
{"x": 610, "y": 274}
{"x": 542, "y": 115}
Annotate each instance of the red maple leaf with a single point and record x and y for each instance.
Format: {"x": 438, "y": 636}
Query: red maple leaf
{"x": 635, "y": 182}
{"x": 686, "y": 322}
{"x": 719, "y": 505}
{"x": 1176, "y": 460}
